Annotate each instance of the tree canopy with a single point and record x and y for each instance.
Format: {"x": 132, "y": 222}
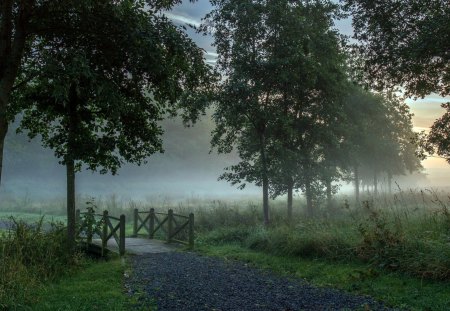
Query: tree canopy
{"x": 404, "y": 43}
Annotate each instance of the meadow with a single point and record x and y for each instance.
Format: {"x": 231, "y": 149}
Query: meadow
{"x": 393, "y": 247}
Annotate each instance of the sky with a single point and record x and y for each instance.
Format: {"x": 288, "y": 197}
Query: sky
{"x": 425, "y": 110}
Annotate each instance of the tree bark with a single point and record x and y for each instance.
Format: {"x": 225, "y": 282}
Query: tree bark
{"x": 290, "y": 188}
{"x": 70, "y": 170}
{"x": 265, "y": 181}
{"x": 3, "y": 128}
{"x": 357, "y": 185}
{"x": 13, "y": 35}
{"x": 70, "y": 165}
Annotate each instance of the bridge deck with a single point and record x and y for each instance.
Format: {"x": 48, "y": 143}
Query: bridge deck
{"x": 139, "y": 246}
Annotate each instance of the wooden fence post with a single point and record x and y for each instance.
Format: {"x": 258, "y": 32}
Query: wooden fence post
{"x": 105, "y": 232}
{"x": 122, "y": 235}
{"x": 191, "y": 230}
{"x": 89, "y": 217}
{"x": 169, "y": 225}
{"x": 151, "y": 225}
{"x": 135, "y": 222}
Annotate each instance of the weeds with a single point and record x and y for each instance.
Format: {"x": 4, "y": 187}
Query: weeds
{"x": 30, "y": 255}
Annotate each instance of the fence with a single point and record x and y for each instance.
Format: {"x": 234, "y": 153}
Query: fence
{"x": 103, "y": 227}
{"x": 170, "y": 224}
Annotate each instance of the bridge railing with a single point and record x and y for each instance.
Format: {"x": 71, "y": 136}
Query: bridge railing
{"x": 174, "y": 227}
{"x": 103, "y": 225}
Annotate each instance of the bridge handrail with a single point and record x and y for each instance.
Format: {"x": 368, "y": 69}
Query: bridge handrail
{"x": 173, "y": 227}
{"x": 108, "y": 229}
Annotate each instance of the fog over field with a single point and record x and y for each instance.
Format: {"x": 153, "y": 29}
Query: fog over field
{"x": 187, "y": 169}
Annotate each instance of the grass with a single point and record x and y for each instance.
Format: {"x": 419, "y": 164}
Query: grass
{"x": 31, "y": 217}
{"x": 38, "y": 273}
{"x": 393, "y": 288}
{"x": 97, "y": 286}
{"x": 395, "y": 248}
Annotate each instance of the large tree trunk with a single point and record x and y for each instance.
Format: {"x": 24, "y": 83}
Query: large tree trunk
{"x": 70, "y": 169}
{"x": 13, "y": 34}
{"x": 70, "y": 165}
{"x": 290, "y": 188}
{"x": 3, "y": 128}
{"x": 357, "y": 185}
{"x": 265, "y": 181}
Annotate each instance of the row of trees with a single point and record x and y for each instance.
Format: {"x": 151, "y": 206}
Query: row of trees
{"x": 287, "y": 103}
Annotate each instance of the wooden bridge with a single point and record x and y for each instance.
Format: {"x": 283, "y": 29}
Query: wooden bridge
{"x": 152, "y": 231}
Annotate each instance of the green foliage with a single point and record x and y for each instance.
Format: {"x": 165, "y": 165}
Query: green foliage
{"x": 404, "y": 43}
{"x": 97, "y": 286}
{"x": 89, "y": 224}
{"x": 283, "y": 77}
{"x": 404, "y": 236}
{"x": 31, "y": 255}
{"x": 438, "y": 138}
{"x": 98, "y": 105}
{"x": 380, "y": 240}
{"x": 395, "y": 290}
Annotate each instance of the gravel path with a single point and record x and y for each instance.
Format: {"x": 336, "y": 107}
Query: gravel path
{"x": 186, "y": 281}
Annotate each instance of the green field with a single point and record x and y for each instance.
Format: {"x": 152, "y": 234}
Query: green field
{"x": 394, "y": 248}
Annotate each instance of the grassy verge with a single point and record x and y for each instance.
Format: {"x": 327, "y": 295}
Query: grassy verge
{"x": 31, "y": 217}
{"x": 395, "y": 289}
{"x": 98, "y": 286}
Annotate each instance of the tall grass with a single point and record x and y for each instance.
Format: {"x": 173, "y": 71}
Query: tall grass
{"x": 407, "y": 232}
{"x": 31, "y": 255}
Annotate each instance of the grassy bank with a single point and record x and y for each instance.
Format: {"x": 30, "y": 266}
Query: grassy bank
{"x": 96, "y": 286}
{"x": 397, "y": 290}
{"x": 37, "y": 272}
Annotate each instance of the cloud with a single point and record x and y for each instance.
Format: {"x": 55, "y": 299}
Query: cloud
{"x": 180, "y": 19}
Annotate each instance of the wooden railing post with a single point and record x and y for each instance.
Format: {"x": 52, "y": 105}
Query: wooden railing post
{"x": 105, "y": 232}
{"x": 191, "y": 230}
{"x": 151, "y": 224}
{"x": 89, "y": 233}
{"x": 122, "y": 235}
{"x": 169, "y": 225}
{"x": 135, "y": 222}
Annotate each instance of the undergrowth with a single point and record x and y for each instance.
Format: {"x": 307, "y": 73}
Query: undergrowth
{"x": 403, "y": 235}
{"x": 30, "y": 256}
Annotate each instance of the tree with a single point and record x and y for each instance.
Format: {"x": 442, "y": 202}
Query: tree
{"x": 96, "y": 99}
{"x": 381, "y": 138}
{"x": 25, "y": 26}
{"x": 404, "y": 43}
{"x": 282, "y": 71}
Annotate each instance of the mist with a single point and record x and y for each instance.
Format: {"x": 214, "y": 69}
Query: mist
{"x": 186, "y": 169}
